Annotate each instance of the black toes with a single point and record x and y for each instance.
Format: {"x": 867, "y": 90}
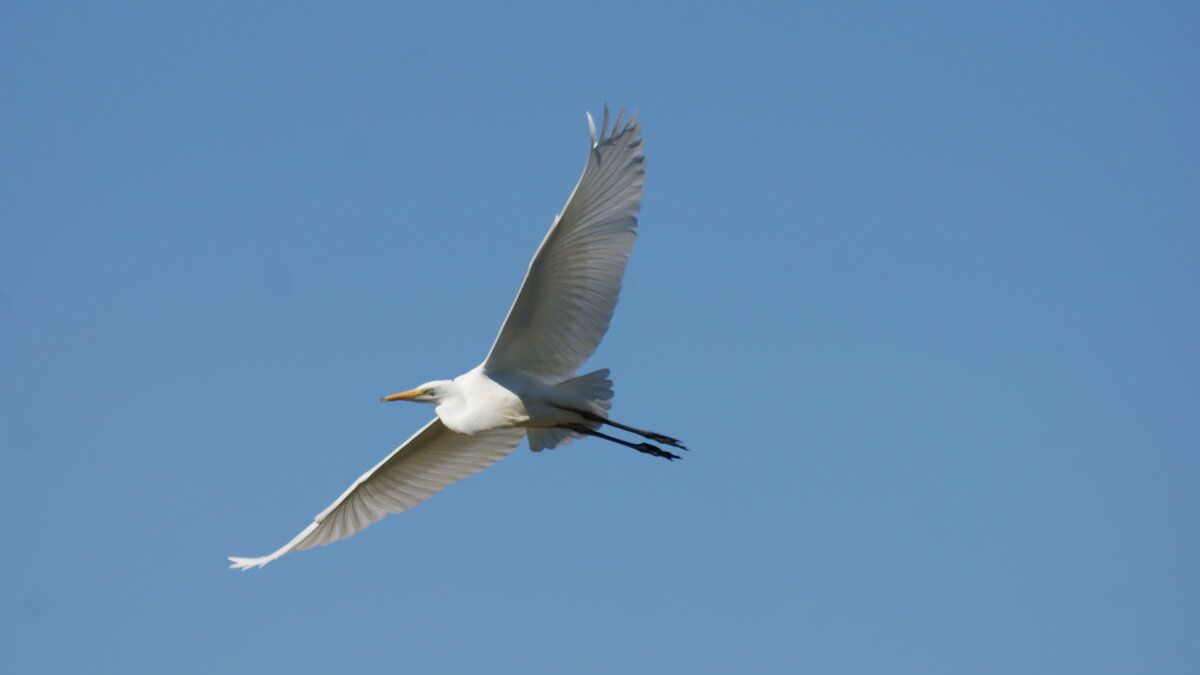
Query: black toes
{"x": 656, "y": 451}
{"x": 667, "y": 440}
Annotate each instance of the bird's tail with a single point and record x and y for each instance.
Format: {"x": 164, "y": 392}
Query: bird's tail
{"x": 593, "y": 388}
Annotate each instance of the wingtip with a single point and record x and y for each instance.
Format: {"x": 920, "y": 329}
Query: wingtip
{"x": 619, "y": 126}
{"x": 247, "y": 563}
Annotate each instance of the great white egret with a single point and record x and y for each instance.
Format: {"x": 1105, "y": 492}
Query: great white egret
{"x": 527, "y": 384}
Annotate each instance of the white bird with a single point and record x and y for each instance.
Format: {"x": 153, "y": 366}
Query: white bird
{"x": 527, "y": 384}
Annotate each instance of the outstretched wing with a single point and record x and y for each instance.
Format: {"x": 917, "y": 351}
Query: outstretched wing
{"x": 570, "y": 291}
{"x": 429, "y": 461}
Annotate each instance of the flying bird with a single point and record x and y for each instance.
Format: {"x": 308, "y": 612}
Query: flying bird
{"x": 527, "y": 385}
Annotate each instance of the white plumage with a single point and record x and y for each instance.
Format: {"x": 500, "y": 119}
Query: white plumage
{"x": 527, "y": 383}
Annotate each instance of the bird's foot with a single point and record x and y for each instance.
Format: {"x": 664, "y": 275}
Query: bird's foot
{"x": 665, "y": 440}
{"x": 655, "y": 450}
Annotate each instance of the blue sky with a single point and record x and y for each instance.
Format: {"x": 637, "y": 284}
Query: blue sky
{"x": 917, "y": 285}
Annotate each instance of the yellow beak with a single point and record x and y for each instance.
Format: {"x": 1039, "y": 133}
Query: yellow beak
{"x": 403, "y": 396}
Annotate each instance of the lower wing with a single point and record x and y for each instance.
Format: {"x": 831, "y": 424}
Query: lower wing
{"x": 429, "y": 461}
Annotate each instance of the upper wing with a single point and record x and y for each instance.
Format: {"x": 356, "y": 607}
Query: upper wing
{"x": 429, "y": 461}
{"x": 564, "y": 307}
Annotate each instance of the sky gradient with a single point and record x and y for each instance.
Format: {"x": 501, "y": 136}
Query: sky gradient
{"x": 917, "y": 286}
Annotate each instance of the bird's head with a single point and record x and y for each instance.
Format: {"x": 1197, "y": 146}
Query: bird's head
{"x": 430, "y": 392}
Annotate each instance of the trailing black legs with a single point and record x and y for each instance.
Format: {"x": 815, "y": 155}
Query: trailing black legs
{"x": 640, "y": 447}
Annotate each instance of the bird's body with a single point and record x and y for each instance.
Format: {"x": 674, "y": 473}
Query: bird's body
{"x": 477, "y": 400}
{"x": 527, "y": 385}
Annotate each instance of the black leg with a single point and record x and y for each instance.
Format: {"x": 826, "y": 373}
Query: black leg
{"x": 593, "y": 417}
{"x": 640, "y": 447}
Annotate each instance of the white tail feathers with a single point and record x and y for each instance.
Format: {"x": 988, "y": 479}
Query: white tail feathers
{"x": 594, "y": 390}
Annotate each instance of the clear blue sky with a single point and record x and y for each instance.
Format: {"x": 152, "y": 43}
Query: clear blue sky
{"x": 918, "y": 286}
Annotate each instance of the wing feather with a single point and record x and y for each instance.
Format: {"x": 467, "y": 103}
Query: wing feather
{"x": 432, "y": 459}
{"x": 571, "y": 289}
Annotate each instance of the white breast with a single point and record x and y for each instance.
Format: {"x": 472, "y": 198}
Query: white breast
{"x": 478, "y": 403}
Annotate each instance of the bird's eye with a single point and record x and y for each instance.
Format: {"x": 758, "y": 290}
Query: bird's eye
{"x": 427, "y": 392}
